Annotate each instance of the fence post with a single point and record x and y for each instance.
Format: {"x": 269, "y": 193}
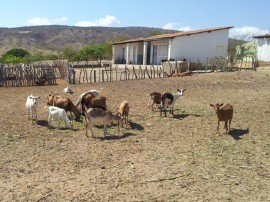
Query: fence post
{"x": 1, "y": 75}
{"x": 111, "y": 73}
{"x": 95, "y": 76}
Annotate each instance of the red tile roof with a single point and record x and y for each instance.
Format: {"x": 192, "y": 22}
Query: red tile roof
{"x": 172, "y": 35}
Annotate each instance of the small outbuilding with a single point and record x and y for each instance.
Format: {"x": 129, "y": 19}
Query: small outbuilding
{"x": 190, "y": 45}
{"x": 263, "y": 47}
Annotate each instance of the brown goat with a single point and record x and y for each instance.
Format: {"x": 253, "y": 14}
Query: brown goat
{"x": 64, "y": 103}
{"x": 124, "y": 111}
{"x": 95, "y": 115}
{"x": 89, "y": 100}
{"x": 155, "y": 98}
{"x": 224, "y": 114}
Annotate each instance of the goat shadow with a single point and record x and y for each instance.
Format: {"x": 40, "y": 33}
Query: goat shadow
{"x": 237, "y": 133}
{"x": 182, "y": 116}
{"x": 44, "y": 123}
{"x": 116, "y": 137}
{"x": 135, "y": 126}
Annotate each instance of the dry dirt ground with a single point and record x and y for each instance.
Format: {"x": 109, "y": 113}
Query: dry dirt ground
{"x": 174, "y": 158}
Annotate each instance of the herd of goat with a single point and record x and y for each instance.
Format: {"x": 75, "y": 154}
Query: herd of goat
{"x": 93, "y": 107}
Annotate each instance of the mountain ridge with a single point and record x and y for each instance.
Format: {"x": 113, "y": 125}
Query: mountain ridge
{"x": 53, "y": 38}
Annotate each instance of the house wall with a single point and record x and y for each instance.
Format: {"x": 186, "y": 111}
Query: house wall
{"x": 118, "y": 52}
{"x": 135, "y": 53}
{"x": 263, "y": 49}
{"x": 159, "y": 51}
{"x": 200, "y": 46}
{"x": 192, "y": 47}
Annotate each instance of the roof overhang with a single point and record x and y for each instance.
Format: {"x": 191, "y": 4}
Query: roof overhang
{"x": 171, "y": 35}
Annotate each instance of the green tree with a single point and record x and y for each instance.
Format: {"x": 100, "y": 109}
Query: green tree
{"x": 17, "y": 52}
{"x": 69, "y": 53}
{"x": 97, "y": 52}
{"x": 156, "y": 32}
{"x": 14, "y": 56}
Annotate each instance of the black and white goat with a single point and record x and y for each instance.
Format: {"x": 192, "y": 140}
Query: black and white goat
{"x": 168, "y": 100}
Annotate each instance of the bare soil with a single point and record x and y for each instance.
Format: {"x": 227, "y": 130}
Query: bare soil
{"x": 157, "y": 158}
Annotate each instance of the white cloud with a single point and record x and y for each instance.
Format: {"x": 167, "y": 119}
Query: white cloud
{"x": 45, "y": 21}
{"x": 246, "y": 32}
{"x": 175, "y": 26}
{"x": 108, "y": 20}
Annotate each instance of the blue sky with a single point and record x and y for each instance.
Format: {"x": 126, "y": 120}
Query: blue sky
{"x": 249, "y": 17}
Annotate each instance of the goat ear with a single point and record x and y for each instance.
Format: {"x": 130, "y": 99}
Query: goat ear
{"x": 184, "y": 90}
{"x": 221, "y": 104}
{"x": 211, "y": 105}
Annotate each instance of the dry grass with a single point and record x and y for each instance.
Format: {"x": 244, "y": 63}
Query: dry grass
{"x": 174, "y": 158}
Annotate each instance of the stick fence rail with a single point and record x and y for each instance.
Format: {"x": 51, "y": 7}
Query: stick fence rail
{"x": 46, "y": 74}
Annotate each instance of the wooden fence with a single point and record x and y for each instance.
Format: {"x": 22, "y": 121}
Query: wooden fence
{"x": 46, "y": 74}
{"x": 32, "y": 75}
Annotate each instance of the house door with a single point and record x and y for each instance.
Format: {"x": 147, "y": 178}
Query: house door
{"x": 155, "y": 49}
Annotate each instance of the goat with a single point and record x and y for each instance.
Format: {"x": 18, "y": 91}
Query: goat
{"x": 68, "y": 90}
{"x": 63, "y": 103}
{"x": 94, "y": 115}
{"x": 168, "y": 100}
{"x": 31, "y": 106}
{"x": 124, "y": 111}
{"x": 94, "y": 92}
{"x": 57, "y": 113}
{"x": 224, "y": 114}
{"x": 155, "y": 98}
{"x": 89, "y": 100}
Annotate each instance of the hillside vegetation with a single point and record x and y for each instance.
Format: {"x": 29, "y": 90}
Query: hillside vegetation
{"x": 50, "y": 39}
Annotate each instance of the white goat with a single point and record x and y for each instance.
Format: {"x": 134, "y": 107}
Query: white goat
{"x": 68, "y": 90}
{"x": 31, "y": 106}
{"x": 94, "y": 92}
{"x": 96, "y": 115}
{"x": 168, "y": 100}
{"x": 59, "y": 114}
{"x": 124, "y": 111}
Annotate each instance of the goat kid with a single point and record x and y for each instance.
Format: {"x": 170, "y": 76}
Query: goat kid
{"x": 124, "y": 111}
{"x": 31, "y": 106}
{"x": 56, "y": 113}
{"x": 168, "y": 100}
{"x": 96, "y": 115}
{"x": 224, "y": 114}
{"x": 154, "y": 99}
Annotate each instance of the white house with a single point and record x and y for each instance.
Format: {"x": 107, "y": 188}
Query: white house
{"x": 263, "y": 47}
{"x": 191, "y": 45}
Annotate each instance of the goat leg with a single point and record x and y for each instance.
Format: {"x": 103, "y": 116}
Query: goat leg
{"x": 226, "y": 126}
{"x": 105, "y": 130}
{"x": 218, "y": 127}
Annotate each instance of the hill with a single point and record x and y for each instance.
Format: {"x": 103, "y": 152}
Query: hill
{"x": 50, "y": 39}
